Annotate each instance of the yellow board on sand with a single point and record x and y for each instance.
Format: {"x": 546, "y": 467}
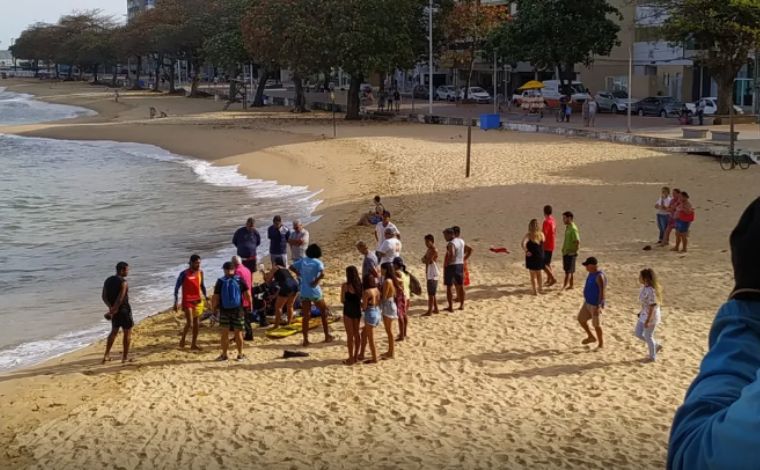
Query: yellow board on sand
{"x": 295, "y": 327}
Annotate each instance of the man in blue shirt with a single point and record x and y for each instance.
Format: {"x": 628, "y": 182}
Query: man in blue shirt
{"x": 593, "y": 302}
{"x": 247, "y": 241}
{"x": 278, "y": 241}
{"x": 718, "y": 425}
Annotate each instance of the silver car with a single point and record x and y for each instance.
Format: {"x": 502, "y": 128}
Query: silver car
{"x": 446, "y": 92}
{"x": 612, "y": 101}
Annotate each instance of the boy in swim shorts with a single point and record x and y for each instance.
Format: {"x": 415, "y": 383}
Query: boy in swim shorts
{"x": 191, "y": 283}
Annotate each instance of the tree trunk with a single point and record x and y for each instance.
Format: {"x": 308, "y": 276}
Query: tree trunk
{"x": 71, "y": 72}
{"x": 196, "y": 79}
{"x": 725, "y": 81}
{"x": 114, "y": 75}
{"x": 352, "y": 100}
{"x": 138, "y": 70}
{"x": 258, "y": 100}
{"x": 95, "y": 73}
{"x": 327, "y": 81}
{"x": 469, "y": 75}
{"x": 300, "y": 102}
{"x": 172, "y": 89}
{"x": 157, "y": 71}
{"x": 36, "y": 68}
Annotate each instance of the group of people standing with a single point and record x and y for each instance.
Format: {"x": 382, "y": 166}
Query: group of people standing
{"x": 674, "y": 212}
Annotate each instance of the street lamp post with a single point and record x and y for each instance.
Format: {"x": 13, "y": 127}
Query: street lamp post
{"x": 630, "y": 86}
{"x": 430, "y": 62}
{"x": 335, "y": 128}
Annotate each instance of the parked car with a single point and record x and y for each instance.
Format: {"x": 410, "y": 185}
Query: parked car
{"x": 476, "y": 94}
{"x": 663, "y": 106}
{"x": 446, "y": 92}
{"x": 553, "y": 90}
{"x": 612, "y": 101}
{"x": 517, "y": 98}
{"x": 711, "y": 106}
{"x": 421, "y": 91}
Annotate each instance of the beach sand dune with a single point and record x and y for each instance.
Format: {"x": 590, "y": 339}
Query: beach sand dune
{"x": 506, "y": 383}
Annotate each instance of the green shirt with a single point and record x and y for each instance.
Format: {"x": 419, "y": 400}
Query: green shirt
{"x": 571, "y": 237}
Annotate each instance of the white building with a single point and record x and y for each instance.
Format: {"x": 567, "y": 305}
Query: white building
{"x": 136, "y": 6}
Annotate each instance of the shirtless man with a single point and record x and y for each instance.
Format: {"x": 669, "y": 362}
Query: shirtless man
{"x": 116, "y": 296}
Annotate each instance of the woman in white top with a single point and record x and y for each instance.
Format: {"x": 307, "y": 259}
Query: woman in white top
{"x": 663, "y": 214}
{"x": 650, "y": 297}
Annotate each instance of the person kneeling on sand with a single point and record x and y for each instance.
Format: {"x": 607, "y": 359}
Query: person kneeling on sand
{"x": 116, "y": 296}
{"x": 718, "y": 424}
{"x": 593, "y": 302}
{"x": 227, "y": 300}
{"x": 310, "y": 271}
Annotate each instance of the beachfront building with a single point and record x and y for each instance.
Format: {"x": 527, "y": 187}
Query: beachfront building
{"x": 136, "y": 6}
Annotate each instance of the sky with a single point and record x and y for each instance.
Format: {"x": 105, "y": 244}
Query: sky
{"x": 16, "y": 15}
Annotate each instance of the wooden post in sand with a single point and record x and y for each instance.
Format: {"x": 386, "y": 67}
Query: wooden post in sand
{"x": 469, "y": 143}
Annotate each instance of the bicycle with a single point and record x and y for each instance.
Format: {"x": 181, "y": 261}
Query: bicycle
{"x": 731, "y": 161}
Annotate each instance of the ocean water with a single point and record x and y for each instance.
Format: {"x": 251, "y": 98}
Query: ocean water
{"x": 70, "y": 210}
{"x": 18, "y": 108}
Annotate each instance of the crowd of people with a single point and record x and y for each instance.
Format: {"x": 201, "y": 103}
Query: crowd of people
{"x": 381, "y": 289}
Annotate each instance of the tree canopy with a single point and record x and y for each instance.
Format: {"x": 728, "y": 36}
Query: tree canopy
{"x": 723, "y": 33}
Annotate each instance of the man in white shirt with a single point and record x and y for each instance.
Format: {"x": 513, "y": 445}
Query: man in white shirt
{"x": 390, "y": 248}
{"x": 298, "y": 241}
{"x": 380, "y": 231}
{"x": 453, "y": 269}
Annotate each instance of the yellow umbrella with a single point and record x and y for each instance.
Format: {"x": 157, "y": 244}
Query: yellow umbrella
{"x": 532, "y": 85}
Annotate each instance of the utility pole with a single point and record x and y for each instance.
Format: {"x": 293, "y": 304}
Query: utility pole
{"x": 494, "y": 81}
{"x": 430, "y": 61}
{"x": 630, "y": 86}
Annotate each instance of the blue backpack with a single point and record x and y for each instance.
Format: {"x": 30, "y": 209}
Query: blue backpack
{"x": 231, "y": 295}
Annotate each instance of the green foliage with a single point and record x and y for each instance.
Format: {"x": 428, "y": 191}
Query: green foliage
{"x": 723, "y": 32}
{"x": 559, "y": 33}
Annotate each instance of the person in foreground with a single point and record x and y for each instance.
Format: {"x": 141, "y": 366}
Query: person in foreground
{"x": 718, "y": 425}
{"x": 192, "y": 285}
{"x": 229, "y": 292}
{"x": 391, "y": 285}
{"x": 310, "y": 270}
{"x": 453, "y": 269}
{"x": 593, "y": 302}
{"x": 371, "y": 316}
{"x": 650, "y": 297}
{"x": 116, "y": 296}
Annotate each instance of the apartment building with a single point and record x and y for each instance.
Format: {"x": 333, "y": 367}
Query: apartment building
{"x": 136, "y": 6}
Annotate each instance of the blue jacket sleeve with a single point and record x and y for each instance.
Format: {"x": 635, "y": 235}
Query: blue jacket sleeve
{"x": 718, "y": 425}
{"x": 236, "y": 237}
{"x": 180, "y": 280}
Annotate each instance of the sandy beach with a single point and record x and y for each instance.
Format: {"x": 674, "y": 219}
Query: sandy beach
{"x": 504, "y": 384}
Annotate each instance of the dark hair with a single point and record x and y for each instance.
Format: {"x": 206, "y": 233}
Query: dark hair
{"x": 456, "y": 230}
{"x": 353, "y": 279}
{"x": 547, "y": 210}
{"x": 390, "y": 273}
{"x": 277, "y": 218}
{"x": 250, "y": 220}
{"x": 121, "y": 266}
{"x": 685, "y": 194}
{"x": 227, "y": 265}
{"x": 314, "y": 251}
{"x": 568, "y": 214}
{"x": 386, "y": 214}
{"x": 676, "y": 190}
{"x": 430, "y": 237}
{"x": 194, "y": 258}
{"x": 377, "y": 198}
{"x": 370, "y": 281}
{"x": 448, "y": 230}
{"x": 278, "y": 261}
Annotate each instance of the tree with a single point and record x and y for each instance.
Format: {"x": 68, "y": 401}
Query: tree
{"x": 263, "y": 28}
{"x": 557, "y": 34}
{"x": 466, "y": 28}
{"x": 36, "y": 44}
{"x": 724, "y": 32}
{"x": 374, "y": 35}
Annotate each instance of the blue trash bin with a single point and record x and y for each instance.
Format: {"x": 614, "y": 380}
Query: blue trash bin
{"x": 490, "y": 121}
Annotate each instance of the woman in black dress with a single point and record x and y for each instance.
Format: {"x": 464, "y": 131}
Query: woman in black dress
{"x": 533, "y": 245}
{"x": 351, "y": 297}
{"x": 287, "y": 290}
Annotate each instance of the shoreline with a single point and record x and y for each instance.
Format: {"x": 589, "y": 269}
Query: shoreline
{"x": 505, "y": 383}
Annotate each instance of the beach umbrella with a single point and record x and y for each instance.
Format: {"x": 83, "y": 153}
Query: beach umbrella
{"x": 532, "y": 85}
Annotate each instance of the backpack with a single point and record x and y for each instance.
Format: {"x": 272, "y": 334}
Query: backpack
{"x": 231, "y": 295}
{"x": 414, "y": 285}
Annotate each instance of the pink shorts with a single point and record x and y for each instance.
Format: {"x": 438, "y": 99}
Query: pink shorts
{"x": 401, "y": 305}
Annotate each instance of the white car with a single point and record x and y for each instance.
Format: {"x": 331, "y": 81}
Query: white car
{"x": 446, "y": 92}
{"x": 475, "y": 93}
{"x": 711, "y": 106}
{"x": 612, "y": 101}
